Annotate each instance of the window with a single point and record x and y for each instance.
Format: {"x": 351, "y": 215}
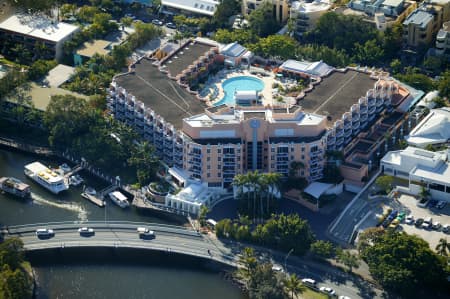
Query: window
{"x": 292, "y": 149}
{"x": 272, "y": 150}
{"x": 208, "y": 158}
{"x": 272, "y": 157}
{"x": 208, "y": 167}
{"x": 219, "y": 174}
{"x": 219, "y": 159}
{"x": 208, "y": 175}
{"x": 208, "y": 150}
{"x": 303, "y": 149}
{"x": 219, "y": 151}
{"x": 437, "y": 187}
{"x": 303, "y": 157}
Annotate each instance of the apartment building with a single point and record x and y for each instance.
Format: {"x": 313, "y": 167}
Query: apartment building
{"x": 32, "y": 29}
{"x": 226, "y": 141}
{"x": 423, "y": 24}
{"x": 280, "y": 8}
{"x": 306, "y": 14}
{"x": 443, "y": 40}
{"x": 189, "y": 7}
{"x": 390, "y": 8}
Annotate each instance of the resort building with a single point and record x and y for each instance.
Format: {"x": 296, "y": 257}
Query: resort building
{"x": 434, "y": 129}
{"x": 32, "y": 29}
{"x": 281, "y": 9}
{"x": 306, "y": 14}
{"x": 422, "y": 168}
{"x": 234, "y": 124}
{"x": 189, "y": 7}
{"x": 235, "y": 55}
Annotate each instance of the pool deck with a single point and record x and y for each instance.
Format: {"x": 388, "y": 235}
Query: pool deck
{"x": 224, "y": 75}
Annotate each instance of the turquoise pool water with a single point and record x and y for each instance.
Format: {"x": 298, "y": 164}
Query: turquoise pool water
{"x": 238, "y": 83}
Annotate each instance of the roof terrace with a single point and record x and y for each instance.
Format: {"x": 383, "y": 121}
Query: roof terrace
{"x": 161, "y": 94}
{"x": 185, "y": 56}
{"x": 337, "y": 93}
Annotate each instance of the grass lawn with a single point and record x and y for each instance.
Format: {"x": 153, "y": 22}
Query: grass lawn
{"x": 310, "y": 294}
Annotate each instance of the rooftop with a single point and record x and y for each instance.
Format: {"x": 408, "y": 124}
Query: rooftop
{"x": 161, "y": 94}
{"x": 38, "y": 27}
{"x": 412, "y": 157}
{"x": 233, "y": 50}
{"x": 205, "y": 7}
{"x": 433, "y": 129}
{"x": 185, "y": 57}
{"x": 439, "y": 174}
{"x": 419, "y": 17}
{"x": 317, "y": 68}
{"x": 337, "y": 93}
{"x": 306, "y": 6}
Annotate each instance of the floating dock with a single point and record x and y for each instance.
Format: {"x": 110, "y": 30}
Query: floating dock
{"x": 94, "y": 199}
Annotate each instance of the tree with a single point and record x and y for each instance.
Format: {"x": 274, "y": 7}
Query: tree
{"x": 143, "y": 157}
{"x": 396, "y": 66}
{"x": 348, "y": 259}
{"x": 404, "y": 263}
{"x": 416, "y": 79}
{"x": 262, "y": 20}
{"x": 86, "y": 13}
{"x": 40, "y": 68}
{"x": 126, "y": 22}
{"x": 11, "y": 253}
{"x": 444, "y": 84}
{"x": 249, "y": 261}
{"x": 385, "y": 182}
{"x": 67, "y": 10}
{"x": 294, "y": 285}
{"x": 224, "y": 11}
{"x": 275, "y": 46}
{"x": 43, "y": 6}
{"x": 323, "y": 249}
{"x": 202, "y": 215}
{"x": 442, "y": 247}
{"x": 369, "y": 53}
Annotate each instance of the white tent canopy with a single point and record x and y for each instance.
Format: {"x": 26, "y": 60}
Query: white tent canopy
{"x": 316, "y": 189}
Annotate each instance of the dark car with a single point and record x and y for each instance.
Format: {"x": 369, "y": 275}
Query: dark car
{"x": 157, "y": 22}
{"x": 418, "y": 222}
{"x": 171, "y": 25}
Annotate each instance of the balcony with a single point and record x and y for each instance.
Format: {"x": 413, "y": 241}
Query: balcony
{"x": 339, "y": 142}
{"x": 372, "y": 110}
{"x": 348, "y": 133}
{"x": 316, "y": 175}
{"x": 340, "y": 133}
{"x": 363, "y": 109}
{"x": 356, "y": 131}
{"x": 355, "y": 125}
{"x": 355, "y": 117}
{"x": 363, "y": 118}
{"x": 347, "y": 125}
{"x": 371, "y": 102}
{"x": 316, "y": 153}
{"x": 331, "y": 141}
{"x": 195, "y": 154}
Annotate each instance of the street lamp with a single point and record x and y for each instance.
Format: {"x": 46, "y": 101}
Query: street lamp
{"x": 285, "y": 259}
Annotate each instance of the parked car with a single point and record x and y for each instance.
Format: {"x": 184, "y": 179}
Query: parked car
{"x": 327, "y": 290}
{"x": 433, "y": 203}
{"x": 157, "y": 22}
{"x": 309, "y": 282}
{"x": 86, "y": 231}
{"x": 45, "y": 233}
{"x": 427, "y": 223}
{"x": 441, "y": 204}
{"x": 394, "y": 224}
{"x": 446, "y": 228}
{"x": 171, "y": 25}
{"x": 418, "y": 222}
{"x": 277, "y": 268}
{"x": 409, "y": 219}
{"x": 344, "y": 297}
{"x": 401, "y": 216}
{"x": 436, "y": 226}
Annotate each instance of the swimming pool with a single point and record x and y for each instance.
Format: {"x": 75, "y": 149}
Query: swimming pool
{"x": 238, "y": 83}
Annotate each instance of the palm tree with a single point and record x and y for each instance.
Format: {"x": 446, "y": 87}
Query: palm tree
{"x": 253, "y": 179}
{"x": 273, "y": 181}
{"x": 442, "y": 247}
{"x": 248, "y": 260}
{"x": 241, "y": 181}
{"x": 293, "y": 285}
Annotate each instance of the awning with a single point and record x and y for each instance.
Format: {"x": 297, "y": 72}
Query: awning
{"x": 179, "y": 174}
{"x": 316, "y": 189}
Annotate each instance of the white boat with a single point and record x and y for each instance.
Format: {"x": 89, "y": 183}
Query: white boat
{"x": 45, "y": 177}
{"x": 65, "y": 168}
{"x": 90, "y": 191}
{"x": 76, "y": 180}
{"x": 119, "y": 199}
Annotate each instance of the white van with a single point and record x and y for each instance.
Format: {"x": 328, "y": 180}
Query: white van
{"x": 309, "y": 281}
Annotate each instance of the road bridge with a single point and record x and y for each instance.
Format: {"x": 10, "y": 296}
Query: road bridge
{"x": 123, "y": 234}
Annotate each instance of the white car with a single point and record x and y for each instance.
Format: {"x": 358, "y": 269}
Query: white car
{"x": 86, "y": 231}
{"x": 277, "y": 268}
{"x": 144, "y": 232}
{"x": 327, "y": 290}
{"x": 446, "y": 228}
{"x": 45, "y": 232}
{"x": 409, "y": 219}
{"x": 309, "y": 281}
{"x": 344, "y": 297}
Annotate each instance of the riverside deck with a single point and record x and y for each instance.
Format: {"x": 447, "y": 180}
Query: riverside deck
{"x": 38, "y": 150}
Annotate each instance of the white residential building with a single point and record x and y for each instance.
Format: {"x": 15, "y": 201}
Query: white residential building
{"x": 30, "y": 29}
{"x": 199, "y": 7}
{"x": 422, "y": 168}
{"x": 433, "y": 129}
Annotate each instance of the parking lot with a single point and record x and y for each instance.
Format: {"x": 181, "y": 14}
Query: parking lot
{"x": 408, "y": 205}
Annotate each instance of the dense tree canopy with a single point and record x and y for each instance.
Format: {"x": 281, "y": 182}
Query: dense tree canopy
{"x": 224, "y": 11}
{"x": 444, "y": 84}
{"x": 275, "y": 46}
{"x": 403, "y": 263}
{"x": 416, "y": 79}
{"x": 262, "y": 21}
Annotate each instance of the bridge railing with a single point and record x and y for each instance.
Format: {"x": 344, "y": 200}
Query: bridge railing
{"x": 120, "y": 225}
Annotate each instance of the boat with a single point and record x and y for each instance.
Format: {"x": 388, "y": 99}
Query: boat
{"x": 46, "y": 177}
{"x": 119, "y": 199}
{"x": 65, "y": 168}
{"x": 90, "y": 191}
{"x": 76, "y": 180}
{"x": 15, "y": 187}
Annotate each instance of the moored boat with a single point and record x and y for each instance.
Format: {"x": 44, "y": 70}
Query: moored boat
{"x": 119, "y": 199}
{"x": 76, "y": 180}
{"x": 15, "y": 187}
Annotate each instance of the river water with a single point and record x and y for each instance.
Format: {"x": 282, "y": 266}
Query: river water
{"x": 100, "y": 279}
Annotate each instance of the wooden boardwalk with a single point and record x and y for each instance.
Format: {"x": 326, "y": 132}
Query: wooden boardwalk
{"x": 38, "y": 150}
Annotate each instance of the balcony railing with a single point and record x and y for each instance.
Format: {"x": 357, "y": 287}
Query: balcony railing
{"x": 316, "y": 153}
{"x": 340, "y": 133}
{"x": 363, "y": 118}
{"x": 348, "y": 133}
{"x": 363, "y": 109}
{"x": 347, "y": 125}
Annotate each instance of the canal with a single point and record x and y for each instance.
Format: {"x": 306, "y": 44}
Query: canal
{"x": 100, "y": 279}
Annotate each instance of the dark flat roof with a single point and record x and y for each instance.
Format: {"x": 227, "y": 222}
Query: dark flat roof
{"x": 337, "y": 93}
{"x": 159, "y": 93}
{"x": 297, "y": 139}
{"x": 179, "y": 62}
{"x": 214, "y": 141}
